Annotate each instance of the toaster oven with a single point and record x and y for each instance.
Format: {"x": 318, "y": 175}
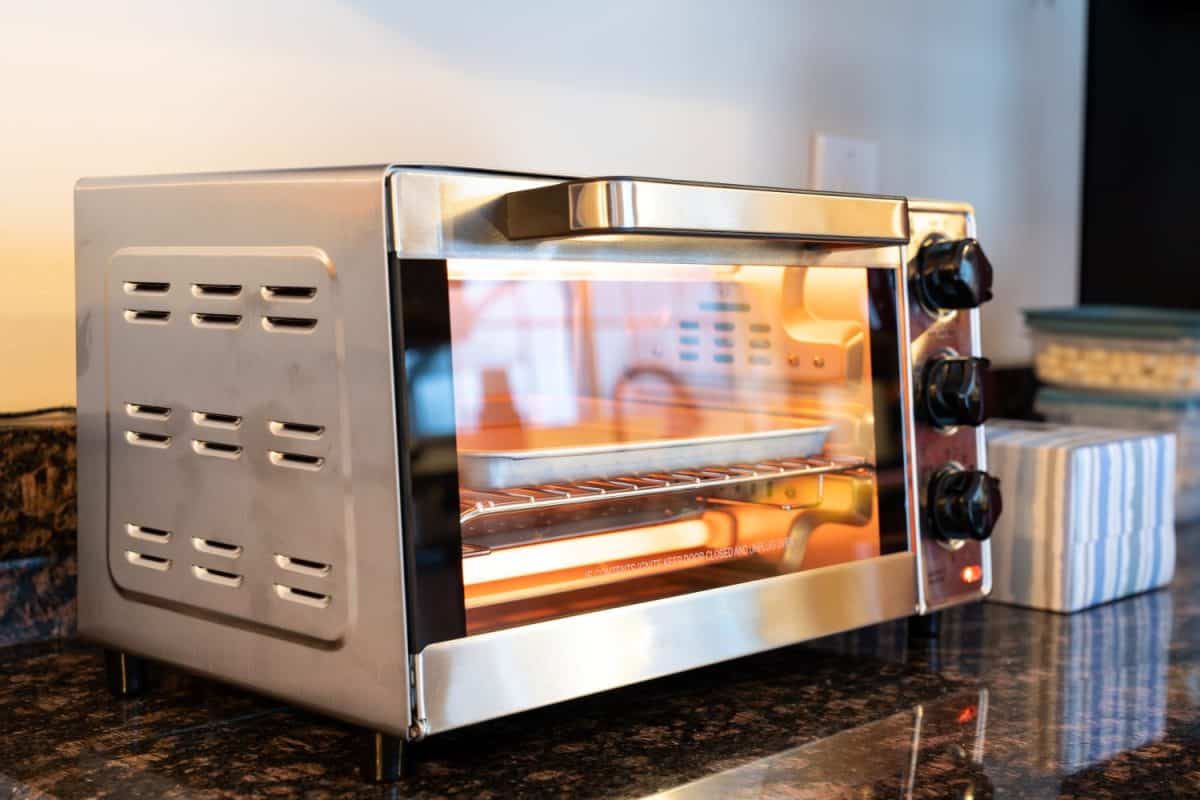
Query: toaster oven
{"x": 419, "y": 447}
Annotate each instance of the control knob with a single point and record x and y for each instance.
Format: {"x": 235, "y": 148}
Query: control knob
{"x": 950, "y": 391}
{"x": 952, "y": 273}
{"x": 963, "y": 504}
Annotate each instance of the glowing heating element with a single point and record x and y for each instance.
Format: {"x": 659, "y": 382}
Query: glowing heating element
{"x": 551, "y": 556}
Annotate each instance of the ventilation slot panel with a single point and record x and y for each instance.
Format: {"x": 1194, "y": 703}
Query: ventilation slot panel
{"x": 292, "y": 294}
{"x": 219, "y": 577}
{"x": 147, "y": 534}
{"x": 296, "y": 430}
{"x": 156, "y": 563}
{"x": 218, "y": 290}
{"x": 206, "y": 320}
{"x": 146, "y": 287}
{"x": 289, "y": 324}
{"x": 302, "y": 566}
{"x": 302, "y": 596}
{"x": 295, "y": 460}
{"x": 140, "y": 439}
{"x": 147, "y": 411}
{"x": 213, "y": 547}
{"x": 216, "y": 449}
{"x": 146, "y": 316}
{"x": 212, "y": 419}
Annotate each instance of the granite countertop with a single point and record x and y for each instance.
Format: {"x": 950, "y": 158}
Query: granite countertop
{"x": 1007, "y": 703}
{"x": 37, "y": 527}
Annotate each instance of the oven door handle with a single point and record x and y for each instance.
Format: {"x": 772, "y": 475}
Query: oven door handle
{"x": 643, "y": 206}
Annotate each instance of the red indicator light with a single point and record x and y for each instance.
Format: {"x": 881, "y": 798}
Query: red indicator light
{"x": 972, "y": 574}
{"x": 966, "y": 715}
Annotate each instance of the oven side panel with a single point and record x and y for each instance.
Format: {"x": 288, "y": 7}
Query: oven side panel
{"x": 238, "y": 503}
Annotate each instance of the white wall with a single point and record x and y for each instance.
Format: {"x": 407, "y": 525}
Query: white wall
{"x": 979, "y": 100}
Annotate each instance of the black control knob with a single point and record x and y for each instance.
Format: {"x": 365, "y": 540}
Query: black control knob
{"x": 963, "y": 504}
{"x": 952, "y": 273}
{"x": 950, "y": 391}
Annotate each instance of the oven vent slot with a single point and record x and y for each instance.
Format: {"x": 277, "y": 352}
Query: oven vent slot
{"x": 157, "y": 563}
{"x": 215, "y": 548}
{"x": 146, "y": 316}
{"x": 207, "y": 320}
{"x": 216, "y": 449}
{"x": 302, "y": 566}
{"x": 295, "y": 460}
{"x": 146, "y": 287}
{"x": 147, "y": 411}
{"x": 219, "y": 577}
{"x": 296, "y": 430}
{"x": 289, "y": 324}
{"x": 148, "y": 534}
{"x": 141, "y": 439}
{"x": 216, "y": 289}
{"x": 302, "y": 596}
{"x": 211, "y": 419}
{"x": 295, "y": 294}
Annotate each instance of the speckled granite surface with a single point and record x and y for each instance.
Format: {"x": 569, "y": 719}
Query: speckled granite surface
{"x": 37, "y": 528}
{"x": 1008, "y": 703}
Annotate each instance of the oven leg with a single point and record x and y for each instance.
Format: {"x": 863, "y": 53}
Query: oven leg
{"x": 385, "y": 758}
{"x": 124, "y": 673}
{"x": 924, "y": 626}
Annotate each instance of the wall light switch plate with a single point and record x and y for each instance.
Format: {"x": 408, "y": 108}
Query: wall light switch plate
{"x": 842, "y": 164}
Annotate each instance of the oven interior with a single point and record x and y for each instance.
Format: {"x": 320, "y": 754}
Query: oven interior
{"x": 634, "y": 431}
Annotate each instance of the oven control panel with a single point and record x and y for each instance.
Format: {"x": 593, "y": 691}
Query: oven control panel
{"x": 949, "y": 278}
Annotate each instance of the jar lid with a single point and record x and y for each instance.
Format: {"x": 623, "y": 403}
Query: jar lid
{"x": 1127, "y": 322}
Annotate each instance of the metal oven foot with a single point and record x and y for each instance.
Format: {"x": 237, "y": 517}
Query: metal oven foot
{"x": 924, "y": 626}
{"x": 385, "y": 758}
{"x": 124, "y": 673}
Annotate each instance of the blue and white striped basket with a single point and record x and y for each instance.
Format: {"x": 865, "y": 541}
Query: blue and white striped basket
{"x": 1088, "y": 516}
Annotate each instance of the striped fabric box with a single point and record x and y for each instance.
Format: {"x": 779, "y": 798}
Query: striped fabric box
{"x": 1088, "y": 516}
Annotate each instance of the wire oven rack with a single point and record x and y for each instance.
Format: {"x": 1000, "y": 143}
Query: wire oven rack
{"x": 475, "y": 503}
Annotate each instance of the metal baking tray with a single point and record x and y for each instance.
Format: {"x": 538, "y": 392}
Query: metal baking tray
{"x": 498, "y": 469}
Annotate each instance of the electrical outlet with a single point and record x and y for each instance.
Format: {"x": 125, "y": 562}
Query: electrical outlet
{"x": 842, "y": 164}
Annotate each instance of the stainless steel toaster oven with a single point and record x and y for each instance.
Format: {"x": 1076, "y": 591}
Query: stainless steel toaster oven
{"x": 419, "y": 447}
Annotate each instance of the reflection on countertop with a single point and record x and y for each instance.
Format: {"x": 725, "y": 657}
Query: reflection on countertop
{"x": 1008, "y": 703}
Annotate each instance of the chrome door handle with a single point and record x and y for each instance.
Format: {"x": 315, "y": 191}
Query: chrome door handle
{"x": 644, "y": 206}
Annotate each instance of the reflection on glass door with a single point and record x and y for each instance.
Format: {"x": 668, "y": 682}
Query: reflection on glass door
{"x": 632, "y": 431}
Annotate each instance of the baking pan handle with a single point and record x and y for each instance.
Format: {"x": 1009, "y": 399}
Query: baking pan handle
{"x": 642, "y": 206}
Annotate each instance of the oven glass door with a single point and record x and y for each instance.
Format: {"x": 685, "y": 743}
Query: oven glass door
{"x": 626, "y": 432}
